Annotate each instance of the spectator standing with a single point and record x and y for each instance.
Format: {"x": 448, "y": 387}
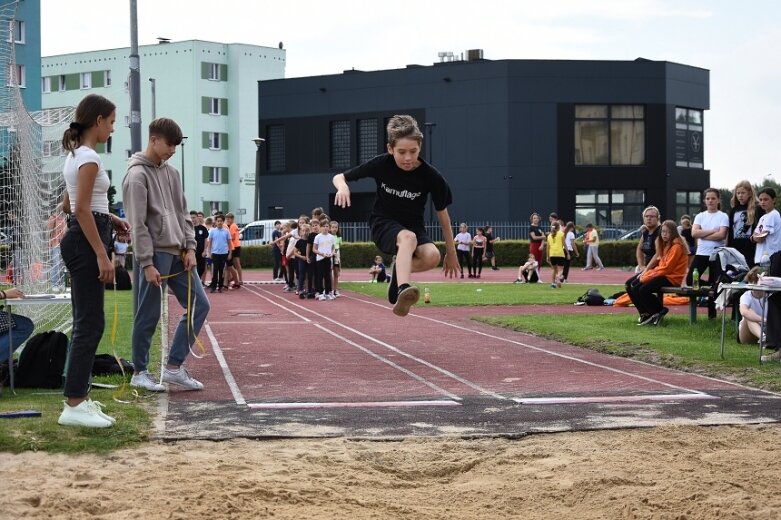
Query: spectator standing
{"x": 276, "y": 251}
{"x": 744, "y": 215}
{"x": 479, "y": 243}
{"x": 84, "y": 250}
{"x": 336, "y": 268}
{"x": 556, "y": 252}
{"x": 120, "y": 249}
{"x": 489, "y": 246}
{"x": 164, "y": 245}
{"x": 463, "y": 241}
{"x": 234, "y": 264}
{"x": 685, "y": 229}
{"x": 218, "y": 248}
{"x": 208, "y": 223}
{"x": 201, "y": 234}
{"x": 323, "y": 247}
{"x": 572, "y": 249}
{"x": 311, "y": 268}
{"x": 536, "y": 239}
{"x": 710, "y": 229}
{"x": 298, "y": 259}
{"x": 767, "y": 237}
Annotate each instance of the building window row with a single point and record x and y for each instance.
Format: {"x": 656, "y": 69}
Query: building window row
{"x": 215, "y": 140}
{"x": 214, "y": 106}
{"x": 275, "y": 148}
{"x": 76, "y": 81}
{"x": 17, "y": 75}
{"x": 214, "y": 71}
{"x": 340, "y": 144}
{"x": 215, "y": 175}
{"x": 609, "y": 135}
{"x": 609, "y": 207}
{"x": 687, "y": 202}
{"x": 688, "y": 138}
{"x": 16, "y": 31}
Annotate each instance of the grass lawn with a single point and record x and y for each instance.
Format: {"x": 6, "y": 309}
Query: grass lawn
{"x": 134, "y": 419}
{"x": 675, "y": 343}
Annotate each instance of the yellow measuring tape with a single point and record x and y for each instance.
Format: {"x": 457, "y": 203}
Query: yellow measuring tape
{"x": 119, "y": 395}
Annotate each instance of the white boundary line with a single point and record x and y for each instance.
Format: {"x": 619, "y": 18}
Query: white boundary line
{"x": 613, "y": 399}
{"x": 447, "y": 373}
{"x": 367, "y": 404}
{"x": 226, "y": 371}
{"x": 550, "y": 352}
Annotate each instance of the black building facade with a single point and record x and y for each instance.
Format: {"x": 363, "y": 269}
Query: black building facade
{"x": 595, "y": 141}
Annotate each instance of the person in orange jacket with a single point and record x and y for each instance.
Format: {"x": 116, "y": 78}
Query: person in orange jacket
{"x": 673, "y": 262}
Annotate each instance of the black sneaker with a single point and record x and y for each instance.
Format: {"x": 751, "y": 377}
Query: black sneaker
{"x": 393, "y": 286}
{"x": 407, "y": 297}
{"x": 650, "y": 319}
{"x": 659, "y": 315}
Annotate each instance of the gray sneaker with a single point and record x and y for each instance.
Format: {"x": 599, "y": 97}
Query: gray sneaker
{"x": 182, "y": 378}
{"x": 406, "y": 299}
{"x": 146, "y": 381}
{"x": 772, "y": 358}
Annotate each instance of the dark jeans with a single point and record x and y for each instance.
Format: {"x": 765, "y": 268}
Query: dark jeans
{"x": 645, "y": 295}
{"x": 323, "y": 280}
{"x": 301, "y": 267}
{"x": 567, "y": 262}
{"x": 200, "y": 263}
{"x": 87, "y": 296}
{"x": 218, "y": 270}
{"x": 19, "y": 334}
{"x": 477, "y": 259}
{"x": 463, "y": 258}
{"x": 276, "y": 255}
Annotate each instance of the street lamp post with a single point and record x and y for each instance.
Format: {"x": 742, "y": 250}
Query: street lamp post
{"x": 184, "y": 140}
{"x": 429, "y": 130}
{"x": 153, "y": 81}
{"x": 258, "y": 142}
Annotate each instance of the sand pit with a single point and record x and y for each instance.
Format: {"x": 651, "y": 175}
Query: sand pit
{"x": 667, "y": 472}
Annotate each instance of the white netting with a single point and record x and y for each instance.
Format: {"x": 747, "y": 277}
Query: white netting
{"x": 31, "y": 186}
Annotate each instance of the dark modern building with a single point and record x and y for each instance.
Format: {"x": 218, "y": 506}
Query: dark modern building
{"x": 595, "y": 141}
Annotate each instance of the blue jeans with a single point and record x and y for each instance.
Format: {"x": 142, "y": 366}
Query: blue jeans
{"x": 24, "y": 328}
{"x": 87, "y": 297}
{"x": 148, "y": 311}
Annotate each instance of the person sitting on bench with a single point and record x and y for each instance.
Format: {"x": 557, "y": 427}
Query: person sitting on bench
{"x": 673, "y": 261}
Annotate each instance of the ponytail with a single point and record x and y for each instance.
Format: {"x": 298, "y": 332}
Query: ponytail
{"x": 86, "y": 116}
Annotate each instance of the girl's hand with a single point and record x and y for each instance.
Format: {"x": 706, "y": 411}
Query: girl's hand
{"x": 106, "y": 269}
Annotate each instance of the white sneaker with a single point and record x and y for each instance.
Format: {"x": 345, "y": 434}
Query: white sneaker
{"x": 100, "y": 406}
{"x": 84, "y": 414}
{"x": 146, "y": 381}
{"x": 182, "y": 378}
{"x": 321, "y": 297}
{"x": 330, "y": 296}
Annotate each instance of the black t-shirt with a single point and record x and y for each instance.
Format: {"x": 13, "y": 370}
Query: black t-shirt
{"x": 489, "y": 242}
{"x": 740, "y": 231}
{"x": 311, "y": 242}
{"x": 402, "y": 195}
{"x": 275, "y": 250}
{"x": 201, "y": 234}
{"x": 537, "y": 231}
{"x": 648, "y": 243}
{"x": 301, "y": 246}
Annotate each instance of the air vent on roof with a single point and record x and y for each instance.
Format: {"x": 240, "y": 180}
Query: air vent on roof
{"x": 474, "y": 54}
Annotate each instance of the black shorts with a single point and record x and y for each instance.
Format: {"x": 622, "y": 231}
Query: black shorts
{"x": 386, "y": 231}
{"x": 557, "y": 260}
{"x": 237, "y": 252}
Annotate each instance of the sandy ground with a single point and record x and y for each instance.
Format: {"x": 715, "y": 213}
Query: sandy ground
{"x": 662, "y": 473}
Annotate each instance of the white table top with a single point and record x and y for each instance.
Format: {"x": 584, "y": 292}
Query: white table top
{"x": 40, "y": 299}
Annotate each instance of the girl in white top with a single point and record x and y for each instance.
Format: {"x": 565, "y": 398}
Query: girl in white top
{"x": 710, "y": 229}
{"x": 463, "y": 241}
{"x": 767, "y": 234}
{"x": 84, "y": 249}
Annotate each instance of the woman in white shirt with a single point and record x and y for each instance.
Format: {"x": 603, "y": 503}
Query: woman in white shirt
{"x": 710, "y": 229}
{"x": 463, "y": 241}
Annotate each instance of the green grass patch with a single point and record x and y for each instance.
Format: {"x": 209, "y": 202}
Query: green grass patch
{"x": 134, "y": 420}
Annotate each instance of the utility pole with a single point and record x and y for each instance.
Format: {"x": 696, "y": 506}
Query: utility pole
{"x": 135, "y": 81}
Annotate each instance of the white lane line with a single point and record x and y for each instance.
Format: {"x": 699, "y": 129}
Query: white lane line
{"x": 388, "y": 346}
{"x": 368, "y": 404}
{"x": 613, "y": 398}
{"x": 226, "y": 371}
{"x": 410, "y": 373}
{"x": 549, "y": 352}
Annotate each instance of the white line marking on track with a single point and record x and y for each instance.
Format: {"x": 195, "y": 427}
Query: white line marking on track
{"x": 226, "y": 371}
{"x": 368, "y": 404}
{"x": 546, "y": 351}
{"x": 613, "y": 398}
{"x": 439, "y": 369}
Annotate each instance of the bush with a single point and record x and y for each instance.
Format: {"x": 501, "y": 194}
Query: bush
{"x": 509, "y": 253}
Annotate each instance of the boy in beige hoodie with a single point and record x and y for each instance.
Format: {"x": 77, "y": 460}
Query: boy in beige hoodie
{"x": 164, "y": 248}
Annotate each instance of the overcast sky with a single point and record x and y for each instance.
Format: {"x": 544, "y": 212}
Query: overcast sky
{"x": 737, "y": 41}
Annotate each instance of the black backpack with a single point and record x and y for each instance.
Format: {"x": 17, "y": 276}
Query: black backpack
{"x": 42, "y": 361}
{"x": 592, "y": 297}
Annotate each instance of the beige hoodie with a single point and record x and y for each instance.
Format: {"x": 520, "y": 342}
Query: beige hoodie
{"x": 156, "y": 209}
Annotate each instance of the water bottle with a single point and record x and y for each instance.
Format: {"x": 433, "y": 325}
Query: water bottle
{"x": 764, "y": 263}
{"x": 426, "y": 295}
{"x": 696, "y": 279}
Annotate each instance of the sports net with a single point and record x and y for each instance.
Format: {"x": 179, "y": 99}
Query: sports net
{"x": 31, "y": 187}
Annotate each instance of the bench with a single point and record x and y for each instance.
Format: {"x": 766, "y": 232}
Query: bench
{"x": 691, "y": 293}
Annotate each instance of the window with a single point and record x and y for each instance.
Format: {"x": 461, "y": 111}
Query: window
{"x": 127, "y": 121}
{"x": 16, "y": 31}
{"x": 86, "y": 80}
{"x": 214, "y": 140}
{"x": 107, "y": 76}
{"x": 367, "y": 139}
{"x": 46, "y": 84}
{"x": 215, "y": 175}
{"x": 52, "y": 148}
{"x": 609, "y": 135}
{"x": 62, "y": 83}
{"x": 609, "y": 207}
{"x": 17, "y": 76}
{"x": 275, "y": 154}
{"x": 340, "y": 144}
{"x": 688, "y": 138}
{"x": 214, "y": 71}
{"x": 687, "y": 203}
{"x": 215, "y": 206}
{"x": 214, "y": 106}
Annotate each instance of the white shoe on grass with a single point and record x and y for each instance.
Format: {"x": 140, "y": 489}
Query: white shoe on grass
{"x": 85, "y": 414}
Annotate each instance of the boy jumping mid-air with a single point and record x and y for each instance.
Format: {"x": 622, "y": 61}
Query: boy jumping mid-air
{"x": 404, "y": 182}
